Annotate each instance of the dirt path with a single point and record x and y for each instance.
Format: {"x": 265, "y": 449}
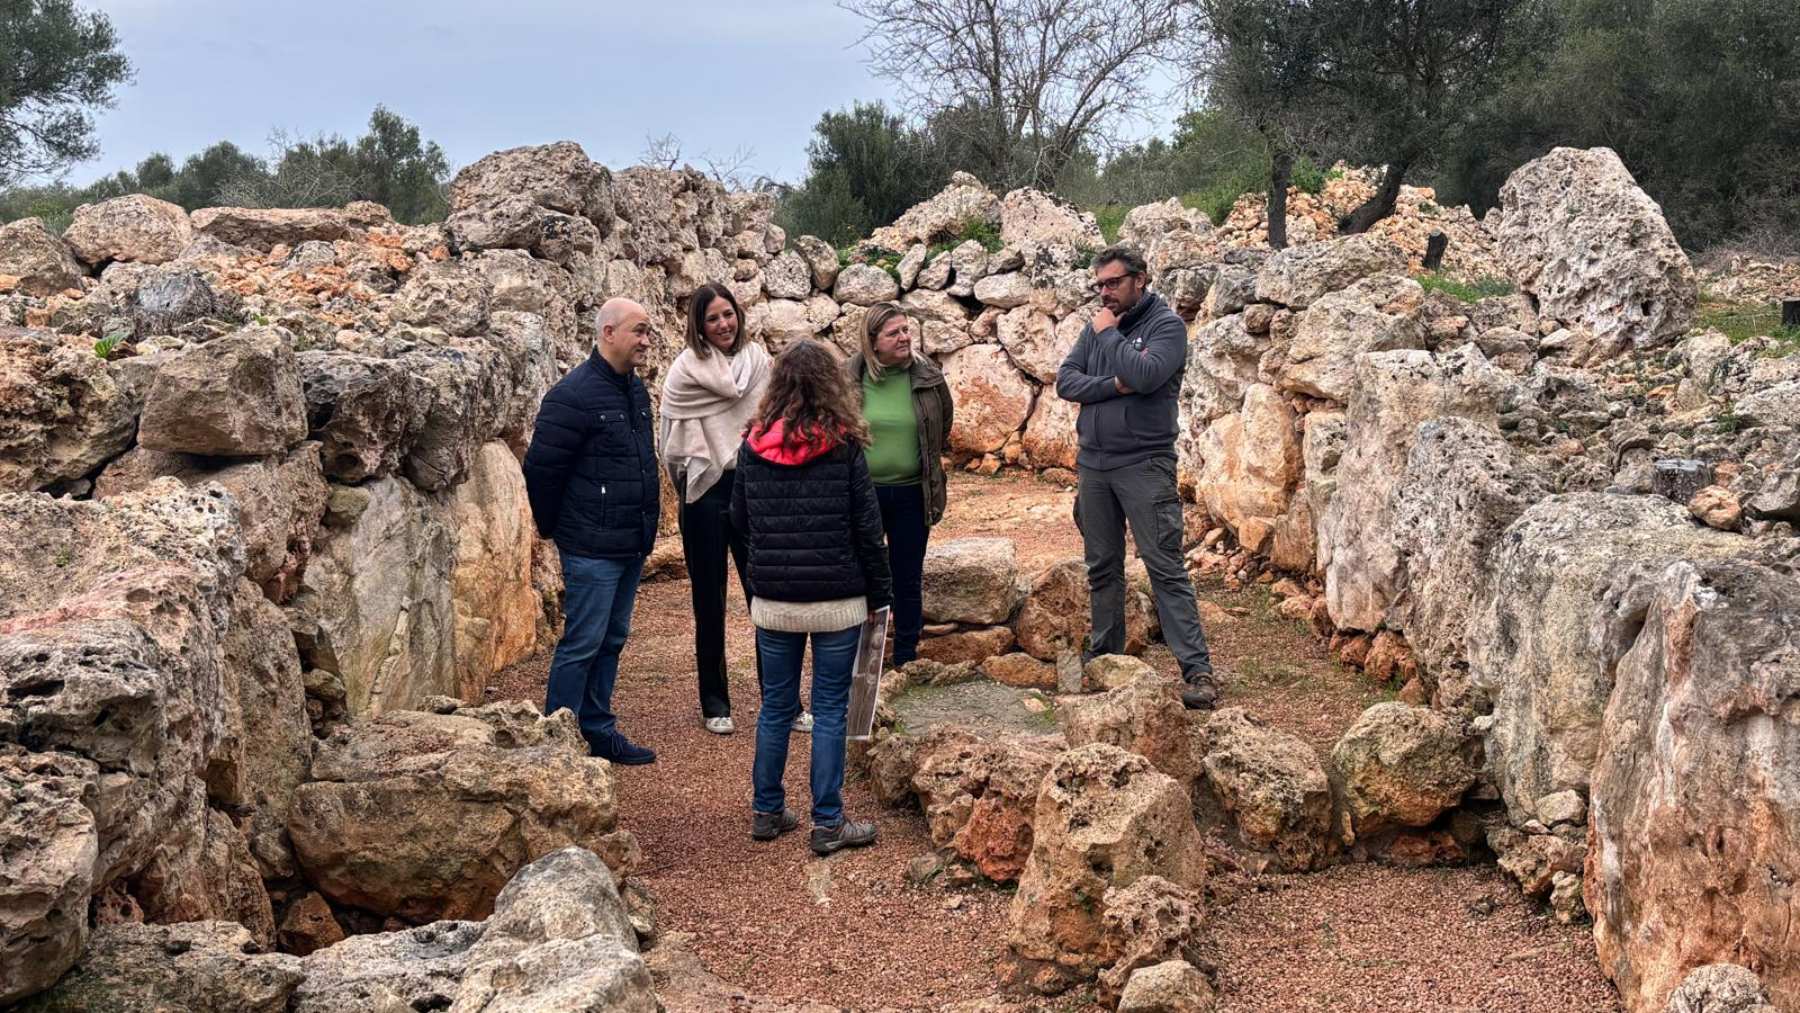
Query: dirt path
{"x": 851, "y": 932}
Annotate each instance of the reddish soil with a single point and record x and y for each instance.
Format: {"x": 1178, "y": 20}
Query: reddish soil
{"x": 850, "y": 932}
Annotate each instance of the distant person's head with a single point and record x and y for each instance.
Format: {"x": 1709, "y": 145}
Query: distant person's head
{"x": 1120, "y": 278}
{"x": 624, "y": 333}
{"x": 715, "y": 321}
{"x": 810, "y": 396}
{"x": 887, "y": 338}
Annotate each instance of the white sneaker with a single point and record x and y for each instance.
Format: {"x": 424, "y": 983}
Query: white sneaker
{"x": 804, "y": 723}
{"x": 720, "y": 726}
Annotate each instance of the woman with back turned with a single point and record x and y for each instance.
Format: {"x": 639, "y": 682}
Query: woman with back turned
{"x": 907, "y": 405}
{"x": 817, "y": 569}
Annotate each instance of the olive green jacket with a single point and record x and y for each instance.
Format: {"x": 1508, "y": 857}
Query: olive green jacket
{"x": 935, "y": 411}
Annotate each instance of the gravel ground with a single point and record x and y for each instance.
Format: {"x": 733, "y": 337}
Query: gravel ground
{"x": 849, "y": 932}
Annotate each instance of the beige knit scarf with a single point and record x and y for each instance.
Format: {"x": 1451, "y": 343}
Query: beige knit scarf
{"x": 706, "y": 404}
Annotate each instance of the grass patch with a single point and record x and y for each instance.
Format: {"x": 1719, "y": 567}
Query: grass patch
{"x": 1740, "y": 322}
{"x": 1110, "y": 218}
{"x": 1467, "y": 291}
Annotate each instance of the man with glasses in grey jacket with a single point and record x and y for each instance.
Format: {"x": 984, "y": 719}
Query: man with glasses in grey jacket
{"x": 1125, "y": 371}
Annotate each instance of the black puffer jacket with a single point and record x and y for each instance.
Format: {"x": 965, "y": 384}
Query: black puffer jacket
{"x": 590, "y": 471}
{"x": 813, "y": 523}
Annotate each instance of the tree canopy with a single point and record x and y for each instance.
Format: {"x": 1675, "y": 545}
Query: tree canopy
{"x": 58, "y": 63}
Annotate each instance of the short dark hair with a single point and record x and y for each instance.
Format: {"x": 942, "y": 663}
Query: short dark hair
{"x": 696, "y": 319}
{"x": 1119, "y": 253}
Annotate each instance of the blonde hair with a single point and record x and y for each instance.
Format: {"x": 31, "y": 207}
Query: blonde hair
{"x": 878, "y": 317}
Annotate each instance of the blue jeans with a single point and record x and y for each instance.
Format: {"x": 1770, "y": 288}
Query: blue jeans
{"x": 834, "y": 655}
{"x": 597, "y": 598}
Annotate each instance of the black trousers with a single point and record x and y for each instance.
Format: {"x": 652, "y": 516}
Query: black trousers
{"x": 903, "y": 520}
{"x": 707, "y": 539}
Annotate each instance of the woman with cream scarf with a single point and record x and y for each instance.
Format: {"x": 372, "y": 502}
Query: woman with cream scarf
{"x": 711, "y": 392}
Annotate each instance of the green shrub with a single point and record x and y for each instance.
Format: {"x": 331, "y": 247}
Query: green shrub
{"x": 1110, "y": 217}
{"x": 1308, "y": 177}
{"x": 1467, "y": 291}
{"x": 107, "y": 346}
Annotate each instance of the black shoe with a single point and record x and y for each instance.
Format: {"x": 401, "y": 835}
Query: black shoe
{"x": 768, "y": 826}
{"x": 624, "y": 752}
{"x": 1199, "y": 691}
{"x": 848, "y": 834}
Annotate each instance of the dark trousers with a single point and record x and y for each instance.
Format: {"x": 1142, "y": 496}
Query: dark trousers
{"x": 1143, "y": 496}
{"x": 598, "y": 595}
{"x": 903, "y": 520}
{"x": 707, "y": 540}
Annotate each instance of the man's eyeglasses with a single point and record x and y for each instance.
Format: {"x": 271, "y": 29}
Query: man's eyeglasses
{"x": 1108, "y": 284}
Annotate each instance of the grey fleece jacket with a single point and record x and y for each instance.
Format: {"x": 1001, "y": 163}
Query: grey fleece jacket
{"x": 1148, "y": 351}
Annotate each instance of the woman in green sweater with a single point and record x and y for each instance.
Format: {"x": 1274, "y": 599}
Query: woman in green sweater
{"x": 907, "y": 405}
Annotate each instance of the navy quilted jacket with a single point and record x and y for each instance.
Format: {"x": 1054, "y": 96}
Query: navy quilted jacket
{"x": 590, "y": 471}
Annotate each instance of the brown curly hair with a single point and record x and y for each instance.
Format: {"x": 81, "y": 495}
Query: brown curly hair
{"x": 810, "y": 394}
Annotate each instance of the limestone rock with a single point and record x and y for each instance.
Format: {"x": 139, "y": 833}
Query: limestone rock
{"x": 204, "y": 872}
{"x": 1020, "y": 670}
{"x": 992, "y": 399}
{"x": 1147, "y": 223}
{"x": 388, "y": 972}
{"x": 979, "y": 795}
{"x": 363, "y": 410}
{"x": 1145, "y": 717}
{"x": 1113, "y": 671}
{"x": 517, "y": 223}
{"x": 235, "y": 396}
{"x": 1695, "y": 748}
{"x": 789, "y": 276}
{"x": 265, "y": 228}
{"x": 33, "y": 254}
{"x": 309, "y": 925}
{"x": 965, "y": 200}
{"x": 1716, "y": 507}
{"x": 197, "y": 967}
{"x": 1272, "y": 784}
{"x": 1720, "y": 988}
{"x": 451, "y": 296}
{"x": 865, "y": 285}
{"x": 1222, "y": 363}
{"x": 1004, "y": 290}
{"x": 1377, "y": 314}
{"x": 375, "y": 604}
{"x": 495, "y": 609}
{"x": 969, "y": 263}
{"x": 1032, "y": 217}
{"x": 1299, "y": 275}
{"x": 1173, "y": 986}
{"x": 425, "y": 816}
{"x": 974, "y": 646}
{"x": 821, "y": 259}
{"x": 1050, "y": 437}
{"x": 1776, "y": 405}
{"x": 62, "y": 413}
{"x": 47, "y": 870}
{"x": 136, "y": 228}
{"x": 1105, "y": 818}
{"x": 1400, "y": 766}
{"x": 1251, "y": 468}
{"x": 557, "y": 176}
{"x": 1055, "y": 616}
{"x": 971, "y": 580}
{"x": 1147, "y": 924}
{"x": 1570, "y": 579}
{"x": 1577, "y": 234}
{"x": 1033, "y": 341}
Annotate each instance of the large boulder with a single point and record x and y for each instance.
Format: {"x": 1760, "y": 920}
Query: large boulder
{"x": 1050, "y": 438}
{"x": 451, "y": 296}
{"x": 196, "y": 967}
{"x": 992, "y": 399}
{"x": 362, "y": 409}
{"x": 557, "y": 176}
{"x": 495, "y": 609}
{"x": 1577, "y": 234}
{"x": 47, "y": 869}
{"x": 865, "y": 285}
{"x": 1401, "y": 766}
{"x": 979, "y": 794}
{"x": 1272, "y": 784}
{"x": 425, "y": 816}
{"x": 1394, "y": 393}
{"x": 235, "y": 396}
{"x": 963, "y": 202}
{"x": 1033, "y": 218}
{"x": 204, "y": 872}
{"x": 278, "y": 501}
{"x": 1144, "y": 716}
{"x": 1105, "y": 818}
{"x": 1463, "y": 484}
{"x": 34, "y": 261}
{"x": 1055, "y": 617}
{"x": 516, "y": 223}
{"x": 1377, "y": 314}
{"x": 265, "y": 228}
{"x": 1034, "y": 342}
{"x": 971, "y": 580}
{"x": 375, "y": 604}
{"x": 1720, "y": 988}
{"x": 1570, "y": 579}
{"x": 62, "y": 413}
{"x": 1695, "y": 802}
{"x": 1250, "y": 470}
{"x": 1299, "y": 275}
{"x": 137, "y": 228}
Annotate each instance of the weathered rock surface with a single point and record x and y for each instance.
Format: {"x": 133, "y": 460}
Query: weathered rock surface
{"x": 62, "y": 413}
{"x": 1400, "y": 766}
{"x": 865, "y": 285}
{"x": 1251, "y": 468}
{"x": 1720, "y": 988}
{"x": 965, "y": 200}
{"x": 992, "y": 399}
{"x": 1298, "y": 275}
{"x": 1377, "y": 314}
{"x": 47, "y": 868}
{"x": 1173, "y": 986}
{"x": 1050, "y": 437}
{"x": 136, "y": 228}
{"x": 1147, "y": 923}
{"x": 40, "y": 261}
{"x": 1055, "y": 616}
{"x": 1145, "y": 717}
{"x": 196, "y": 967}
{"x": 1272, "y": 784}
{"x": 979, "y": 796}
{"x": 264, "y": 228}
{"x": 557, "y": 176}
{"x": 1579, "y": 236}
{"x": 1032, "y": 217}
{"x": 426, "y": 816}
{"x": 971, "y": 580}
{"x": 235, "y": 396}
{"x": 1105, "y": 818}
{"x": 494, "y": 608}
{"x": 1694, "y": 823}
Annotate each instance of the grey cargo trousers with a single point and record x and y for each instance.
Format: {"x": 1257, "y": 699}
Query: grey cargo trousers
{"x": 1143, "y": 496}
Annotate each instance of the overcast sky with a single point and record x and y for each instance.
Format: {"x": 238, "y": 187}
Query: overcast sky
{"x": 479, "y": 75}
